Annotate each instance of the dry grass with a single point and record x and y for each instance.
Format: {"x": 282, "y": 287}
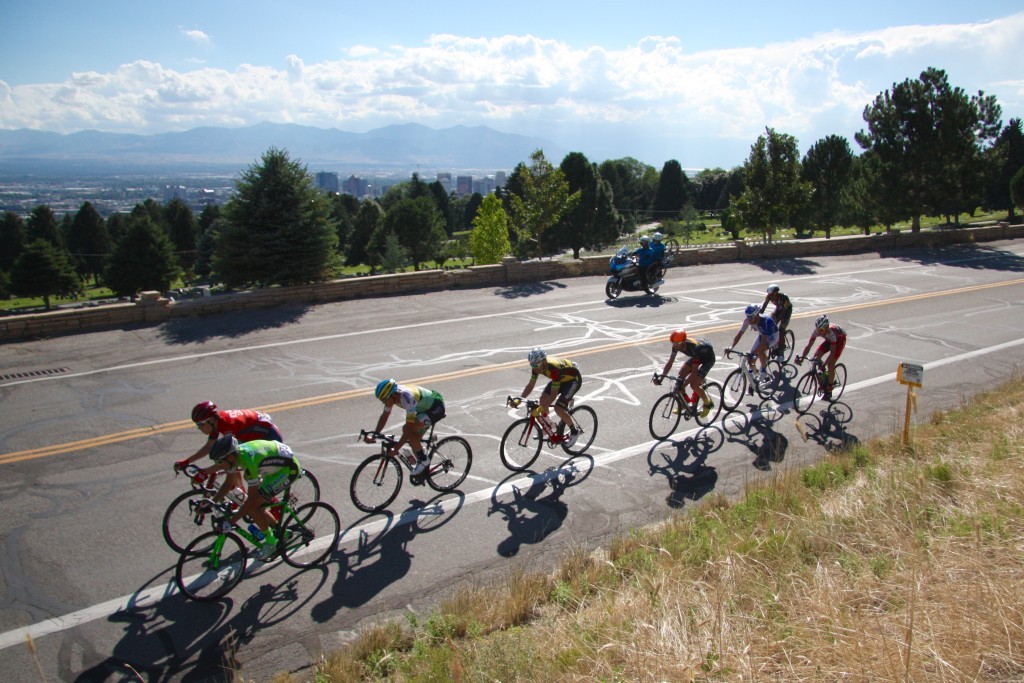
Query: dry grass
{"x": 879, "y": 564}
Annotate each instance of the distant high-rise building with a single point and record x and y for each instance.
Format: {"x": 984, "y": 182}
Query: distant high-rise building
{"x": 354, "y": 186}
{"x": 327, "y": 181}
{"x": 175, "y": 192}
{"x": 446, "y": 181}
{"x": 499, "y": 179}
{"x": 464, "y": 185}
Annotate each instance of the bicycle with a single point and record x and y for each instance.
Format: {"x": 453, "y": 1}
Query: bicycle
{"x": 676, "y": 404}
{"x": 184, "y": 519}
{"x": 745, "y": 380}
{"x": 784, "y": 351}
{"x": 214, "y": 563}
{"x": 812, "y": 384}
{"x": 522, "y": 441}
{"x": 378, "y": 479}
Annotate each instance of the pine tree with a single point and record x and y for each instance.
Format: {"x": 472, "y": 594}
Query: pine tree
{"x": 279, "y": 228}
{"x": 143, "y": 260}
{"x": 45, "y": 271}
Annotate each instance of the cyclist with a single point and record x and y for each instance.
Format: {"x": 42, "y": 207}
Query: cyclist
{"x": 423, "y": 407}
{"x": 701, "y": 358}
{"x": 269, "y": 467}
{"x": 781, "y": 314}
{"x": 834, "y": 343}
{"x": 245, "y": 425}
{"x": 767, "y": 336}
{"x": 565, "y": 382}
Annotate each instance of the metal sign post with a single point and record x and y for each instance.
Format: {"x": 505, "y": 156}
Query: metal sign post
{"x": 913, "y": 376}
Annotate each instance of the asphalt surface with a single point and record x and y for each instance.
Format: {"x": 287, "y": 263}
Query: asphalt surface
{"x": 87, "y": 442}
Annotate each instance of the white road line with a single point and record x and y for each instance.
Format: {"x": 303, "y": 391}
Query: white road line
{"x": 449, "y": 321}
{"x": 153, "y": 595}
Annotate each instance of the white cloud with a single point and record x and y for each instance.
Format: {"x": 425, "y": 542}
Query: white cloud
{"x": 655, "y": 89}
{"x": 196, "y": 36}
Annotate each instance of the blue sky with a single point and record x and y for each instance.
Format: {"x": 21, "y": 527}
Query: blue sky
{"x": 657, "y": 80}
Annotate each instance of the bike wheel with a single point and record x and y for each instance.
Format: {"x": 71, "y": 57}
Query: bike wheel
{"x": 838, "y": 382}
{"x": 375, "y": 483}
{"x": 210, "y": 566}
{"x": 665, "y": 416}
{"x": 734, "y": 389}
{"x": 717, "y": 397}
{"x": 449, "y": 463}
{"x": 586, "y": 421}
{"x": 613, "y": 289}
{"x": 308, "y": 534}
{"x": 789, "y": 340}
{"x": 806, "y": 391}
{"x": 521, "y": 444}
{"x": 305, "y": 489}
{"x": 179, "y": 524}
{"x": 767, "y": 389}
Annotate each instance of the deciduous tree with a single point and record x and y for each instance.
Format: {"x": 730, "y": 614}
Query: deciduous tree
{"x": 488, "y": 242}
{"x": 544, "y": 200}
{"x": 773, "y": 191}
{"x": 930, "y": 139}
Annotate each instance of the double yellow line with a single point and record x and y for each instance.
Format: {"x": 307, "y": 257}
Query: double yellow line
{"x": 144, "y": 432}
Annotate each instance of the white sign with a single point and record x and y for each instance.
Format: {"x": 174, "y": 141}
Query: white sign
{"x": 911, "y": 374}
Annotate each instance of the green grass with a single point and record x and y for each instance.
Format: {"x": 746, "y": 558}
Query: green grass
{"x": 20, "y": 304}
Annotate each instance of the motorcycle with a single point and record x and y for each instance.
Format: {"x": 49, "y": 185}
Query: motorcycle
{"x": 626, "y": 275}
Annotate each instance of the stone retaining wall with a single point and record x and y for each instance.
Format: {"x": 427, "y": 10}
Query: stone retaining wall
{"x": 151, "y": 309}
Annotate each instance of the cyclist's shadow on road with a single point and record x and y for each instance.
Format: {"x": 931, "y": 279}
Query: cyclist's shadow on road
{"x": 683, "y": 464}
{"x": 175, "y": 637}
{"x": 827, "y": 426}
{"x": 536, "y": 508}
{"x": 768, "y": 446}
{"x": 381, "y": 554}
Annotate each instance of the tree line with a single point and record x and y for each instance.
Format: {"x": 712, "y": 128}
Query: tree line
{"x": 927, "y": 149}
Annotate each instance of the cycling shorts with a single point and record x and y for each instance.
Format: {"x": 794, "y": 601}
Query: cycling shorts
{"x": 702, "y": 367}
{"x": 432, "y": 415}
{"x": 566, "y": 391}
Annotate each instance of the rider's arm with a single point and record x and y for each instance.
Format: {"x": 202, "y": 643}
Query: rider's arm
{"x": 671, "y": 360}
{"x": 529, "y": 386}
{"x": 204, "y": 450}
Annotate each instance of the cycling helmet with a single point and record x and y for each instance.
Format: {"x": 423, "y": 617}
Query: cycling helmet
{"x": 645, "y": 239}
{"x": 204, "y": 411}
{"x": 536, "y": 356}
{"x": 751, "y": 310}
{"x": 773, "y": 288}
{"x": 658, "y": 237}
{"x": 225, "y": 445}
{"x": 385, "y": 388}
{"x": 678, "y": 337}
{"x": 821, "y": 322}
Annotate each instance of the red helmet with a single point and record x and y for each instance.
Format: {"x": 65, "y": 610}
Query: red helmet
{"x": 204, "y": 411}
{"x": 678, "y": 337}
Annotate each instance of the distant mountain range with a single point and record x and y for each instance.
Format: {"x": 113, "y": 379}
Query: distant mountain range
{"x": 208, "y": 148}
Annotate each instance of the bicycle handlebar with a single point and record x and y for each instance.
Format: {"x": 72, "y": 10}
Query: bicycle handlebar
{"x": 386, "y": 438}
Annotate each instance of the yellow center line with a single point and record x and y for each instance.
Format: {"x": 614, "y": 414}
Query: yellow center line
{"x": 144, "y": 432}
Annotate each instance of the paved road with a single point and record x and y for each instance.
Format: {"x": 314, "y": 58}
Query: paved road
{"x": 90, "y": 428}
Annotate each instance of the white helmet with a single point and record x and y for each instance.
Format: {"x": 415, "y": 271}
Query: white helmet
{"x": 658, "y": 237}
{"x": 821, "y": 322}
{"x": 751, "y": 310}
{"x": 645, "y": 238}
{"x": 772, "y": 288}
{"x": 536, "y": 356}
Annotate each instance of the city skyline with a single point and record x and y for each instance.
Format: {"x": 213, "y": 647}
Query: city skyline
{"x": 674, "y": 81}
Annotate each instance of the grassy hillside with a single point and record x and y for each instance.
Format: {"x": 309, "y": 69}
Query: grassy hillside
{"x": 883, "y": 563}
